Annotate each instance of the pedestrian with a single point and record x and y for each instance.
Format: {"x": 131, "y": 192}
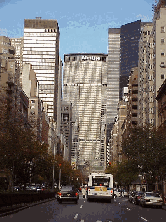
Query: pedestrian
{"x": 84, "y": 192}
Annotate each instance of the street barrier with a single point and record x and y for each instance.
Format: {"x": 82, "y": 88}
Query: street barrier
{"x": 10, "y": 199}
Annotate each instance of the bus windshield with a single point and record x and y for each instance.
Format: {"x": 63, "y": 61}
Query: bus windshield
{"x": 100, "y": 181}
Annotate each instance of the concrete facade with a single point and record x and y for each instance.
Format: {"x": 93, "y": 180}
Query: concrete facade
{"x": 159, "y": 50}
{"x": 145, "y": 79}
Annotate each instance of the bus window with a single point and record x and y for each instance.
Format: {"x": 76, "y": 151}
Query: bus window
{"x": 100, "y": 182}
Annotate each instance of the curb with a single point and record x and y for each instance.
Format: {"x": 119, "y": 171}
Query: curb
{"x": 5, "y": 211}
{"x": 164, "y": 207}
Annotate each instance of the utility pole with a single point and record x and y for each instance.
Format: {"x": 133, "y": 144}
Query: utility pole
{"x": 59, "y": 175}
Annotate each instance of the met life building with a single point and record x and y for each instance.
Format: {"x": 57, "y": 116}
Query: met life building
{"x": 85, "y": 87}
{"x": 41, "y": 50}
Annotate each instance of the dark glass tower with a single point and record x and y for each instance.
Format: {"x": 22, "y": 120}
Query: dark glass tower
{"x": 129, "y": 49}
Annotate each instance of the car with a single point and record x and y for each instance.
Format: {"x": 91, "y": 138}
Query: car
{"x": 136, "y": 197}
{"x": 125, "y": 193}
{"x": 151, "y": 199}
{"x": 39, "y": 188}
{"x": 68, "y": 193}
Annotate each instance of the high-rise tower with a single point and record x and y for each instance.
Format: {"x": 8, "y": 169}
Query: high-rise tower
{"x": 41, "y": 49}
{"x": 130, "y": 36}
{"x": 113, "y": 77}
{"x": 85, "y": 86}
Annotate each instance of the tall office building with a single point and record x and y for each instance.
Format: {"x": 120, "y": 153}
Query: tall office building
{"x": 113, "y": 77}
{"x": 85, "y": 86}
{"x": 41, "y": 49}
{"x": 130, "y": 36}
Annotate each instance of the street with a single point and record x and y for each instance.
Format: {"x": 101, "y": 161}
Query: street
{"x": 120, "y": 210}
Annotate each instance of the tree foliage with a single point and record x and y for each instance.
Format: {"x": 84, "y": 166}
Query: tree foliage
{"x": 147, "y": 148}
{"x": 23, "y": 155}
{"x": 123, "y": 173}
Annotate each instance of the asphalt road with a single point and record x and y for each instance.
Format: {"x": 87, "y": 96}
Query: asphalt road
{"x": 119, "y": 210}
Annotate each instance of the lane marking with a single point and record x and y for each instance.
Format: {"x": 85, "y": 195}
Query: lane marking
{"x": 127, "y": 208}
{"x": 76, "y": 216}
{"x": 81, "y": 206}
{"x": 82, "y": 221}
{"x": 144, "y": 219}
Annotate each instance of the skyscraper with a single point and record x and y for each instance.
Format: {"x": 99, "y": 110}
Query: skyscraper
{"x": 113, "y": 77}
{"x": 85, "y": 86}
{"x": 130, "y": 36}
{"x": 41, "y": 49}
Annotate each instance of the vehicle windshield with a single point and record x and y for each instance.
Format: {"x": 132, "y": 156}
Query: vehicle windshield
{"x": 157, "y": 195}
{"x": 67, "y": 188}
{"x": 100, "y": 181}
{"x": 149, "y": 194}
{"x": 139, "y": 193}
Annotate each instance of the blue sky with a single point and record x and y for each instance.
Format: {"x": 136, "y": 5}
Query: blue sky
{"x": 83, "y": 23}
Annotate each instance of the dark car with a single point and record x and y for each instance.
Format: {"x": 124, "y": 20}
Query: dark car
{"x": 68, "y": 193}
{"x": 137, "y": 197}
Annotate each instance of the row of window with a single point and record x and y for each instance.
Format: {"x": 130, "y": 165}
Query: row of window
{"x": 50, "y": 30}
{"x": 148, "y": 32}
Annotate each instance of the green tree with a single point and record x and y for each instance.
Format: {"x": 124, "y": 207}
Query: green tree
{"x": 147, "y": 148}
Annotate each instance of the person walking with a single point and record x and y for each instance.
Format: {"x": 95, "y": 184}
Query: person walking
{"x": 84, "y": 192}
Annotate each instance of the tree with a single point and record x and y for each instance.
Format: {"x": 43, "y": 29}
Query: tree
{"x": 147, "y": 148}
{"x": 123, "y": 173}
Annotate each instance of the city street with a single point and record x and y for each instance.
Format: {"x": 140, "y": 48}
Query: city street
{"x": 120, "y": 210}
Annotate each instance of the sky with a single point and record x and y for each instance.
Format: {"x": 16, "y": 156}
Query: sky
{"x": 83, "y": 24}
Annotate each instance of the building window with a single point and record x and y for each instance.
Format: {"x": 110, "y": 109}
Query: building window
{"x": 162, "y": 41}
{"x": 162, "y": 76}
{"x": 162, "y": 54}
{"x": 162, "y": 65}
{"x": 134, "y": 114}
{"x": 151, "y": 121}
{"x": 162, "y": 29}
{"x": 151, "y": 99}
{"x": 134, "y": 106}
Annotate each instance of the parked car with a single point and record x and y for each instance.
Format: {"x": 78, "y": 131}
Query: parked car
{"x": 39, "y": 188}
{"x": 131, "y": 195}
{"x": 68, "y": 193}
{"x": 125, "y": 193}
{"x": 136, "y": 197}
{"x": 151, "y": 199}
{"x": 16, "y": 188}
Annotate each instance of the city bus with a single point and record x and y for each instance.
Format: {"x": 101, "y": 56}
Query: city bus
{"x": 100, "y": 186}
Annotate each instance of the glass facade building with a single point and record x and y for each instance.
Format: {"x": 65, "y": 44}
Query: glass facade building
{"x": 129, "y": 49}
{"x": 85, "y": 87}
{"x": 41, "y": 50}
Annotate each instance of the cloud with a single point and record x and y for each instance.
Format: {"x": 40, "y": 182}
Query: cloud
{"x": 144, "y": 18}
{"x": 4, "y": 2}
{"x": 3, "y": 32}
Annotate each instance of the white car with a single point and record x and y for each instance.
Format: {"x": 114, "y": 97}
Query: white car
{"x": 151, "y": 199}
